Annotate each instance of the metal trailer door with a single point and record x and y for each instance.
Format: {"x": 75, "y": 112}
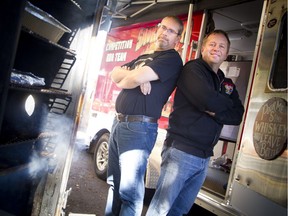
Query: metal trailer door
{"x": 260, "y": 182}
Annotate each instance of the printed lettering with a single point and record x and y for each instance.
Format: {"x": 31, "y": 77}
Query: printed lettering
{"x": 119, "y": 57}
{"x": 270, "y": 129}
{"x": 110, "y": 57}
{"x": 119, "y": 45}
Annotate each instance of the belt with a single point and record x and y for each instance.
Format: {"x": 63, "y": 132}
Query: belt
{"x": 135, "y": 118}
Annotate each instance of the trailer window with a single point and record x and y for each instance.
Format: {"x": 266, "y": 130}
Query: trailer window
{"x": 278, "y": 76}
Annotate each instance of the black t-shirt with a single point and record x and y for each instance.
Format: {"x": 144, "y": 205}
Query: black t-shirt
{"x": 167, "y": 65}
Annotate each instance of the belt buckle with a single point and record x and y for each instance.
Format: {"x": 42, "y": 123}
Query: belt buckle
{"x": 122, "y": 118}
{"x": 118, "y": 116}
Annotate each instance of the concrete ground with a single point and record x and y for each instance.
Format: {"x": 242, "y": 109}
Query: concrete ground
{"x": 88, "y": 195}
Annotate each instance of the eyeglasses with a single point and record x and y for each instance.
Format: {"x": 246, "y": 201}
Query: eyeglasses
{"x": 164, "y": 28}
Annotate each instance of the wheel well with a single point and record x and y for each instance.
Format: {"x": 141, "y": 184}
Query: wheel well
{"x": 96, "y": 138}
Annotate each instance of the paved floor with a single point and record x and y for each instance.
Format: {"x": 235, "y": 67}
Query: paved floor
{"x": 88, "y": 193}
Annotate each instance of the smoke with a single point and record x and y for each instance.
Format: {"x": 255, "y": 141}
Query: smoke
{"x": 52, "y": 146}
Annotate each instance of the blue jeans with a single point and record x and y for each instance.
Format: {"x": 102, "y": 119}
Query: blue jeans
{"x": 130, "y": 145}
{"x": 181, "y": 178}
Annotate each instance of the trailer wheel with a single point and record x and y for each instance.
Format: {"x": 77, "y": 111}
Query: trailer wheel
{"x": 101, "y": 157}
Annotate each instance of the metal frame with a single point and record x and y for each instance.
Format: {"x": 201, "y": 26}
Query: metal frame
{"x": 125, "y": 5}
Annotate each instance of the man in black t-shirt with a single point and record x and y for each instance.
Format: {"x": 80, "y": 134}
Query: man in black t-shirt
{"x": 146, "y": 84}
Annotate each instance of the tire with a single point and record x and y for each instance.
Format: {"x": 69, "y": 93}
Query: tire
{"x": 101, "y": 157}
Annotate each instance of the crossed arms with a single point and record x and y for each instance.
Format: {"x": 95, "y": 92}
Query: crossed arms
{"x": 129, "y": 79}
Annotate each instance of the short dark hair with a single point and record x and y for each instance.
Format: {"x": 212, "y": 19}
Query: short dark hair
{"x": 179, "y": 21}
{"x": 217, "y": 31}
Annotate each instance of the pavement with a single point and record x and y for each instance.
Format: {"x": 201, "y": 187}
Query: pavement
{"x": 88, "y": 194}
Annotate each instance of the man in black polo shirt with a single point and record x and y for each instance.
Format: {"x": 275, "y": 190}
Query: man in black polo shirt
{"x": 146, "y": 84}
{"x": 204, "y": 100}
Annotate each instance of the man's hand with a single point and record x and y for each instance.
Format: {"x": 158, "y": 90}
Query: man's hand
{"x": 129, "y": 79}
{"x": 145, "y": 88}
{"x": 125, "y": 67}
{"x": 118, "y": 73}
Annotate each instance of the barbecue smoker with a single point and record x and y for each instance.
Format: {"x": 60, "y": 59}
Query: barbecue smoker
{"x": 40, "y": 92}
